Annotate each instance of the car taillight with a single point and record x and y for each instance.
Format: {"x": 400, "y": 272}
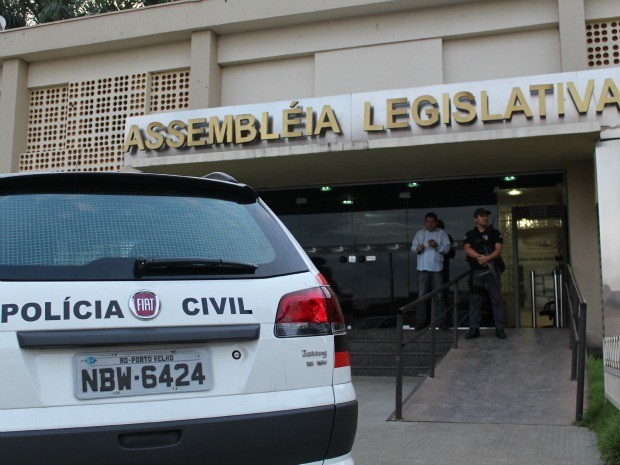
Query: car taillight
{"x": 309, "y": 312}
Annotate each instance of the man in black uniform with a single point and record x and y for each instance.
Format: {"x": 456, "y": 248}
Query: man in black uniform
{"x": 483, "y": 247}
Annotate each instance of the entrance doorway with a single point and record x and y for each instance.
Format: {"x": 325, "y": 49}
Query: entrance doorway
{"x": 359, "y": 236}
{"x": 539, "y": 240}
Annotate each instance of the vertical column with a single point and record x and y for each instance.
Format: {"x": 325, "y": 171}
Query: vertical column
{"x": 608, "y": 193}
{"x": 572, "y": 23}
{"x": 206, "y": 75}
{"x": 584, "y": 247}
{"x": 14, "y": 107}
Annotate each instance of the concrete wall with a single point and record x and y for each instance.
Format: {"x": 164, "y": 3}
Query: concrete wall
{"x": 14, "y": 106}
{"x": 342, "y": 56}
{"x": 502, "y": 56}
{"x": 319, "y": 50}
{"x": 608, "y": 192}
{"x": 601, "y": 9}
{"x": 268, "y": 81}
{"x": 572, "y": 34}
{"x": 206, "y": 73}
{"x": 388, "y": 66}
{"x": 405, "y": 49}
{"x": 84, "y": 68}
{"x": 456, "y": 21}
{"x": 584, "y": 250}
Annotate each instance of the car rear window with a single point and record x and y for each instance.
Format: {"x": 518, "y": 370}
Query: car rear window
{"x": 98, "y": 234}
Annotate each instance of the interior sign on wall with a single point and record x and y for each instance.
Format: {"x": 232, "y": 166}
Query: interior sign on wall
{"x": 478, "y": 106}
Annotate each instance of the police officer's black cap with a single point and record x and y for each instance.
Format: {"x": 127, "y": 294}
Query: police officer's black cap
{"x": 481, "y": 211}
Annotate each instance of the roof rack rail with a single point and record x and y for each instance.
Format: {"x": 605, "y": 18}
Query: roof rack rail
{"x": 219, "y": 176}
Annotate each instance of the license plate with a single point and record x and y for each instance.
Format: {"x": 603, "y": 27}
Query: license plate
{"x": 144, "y": 372}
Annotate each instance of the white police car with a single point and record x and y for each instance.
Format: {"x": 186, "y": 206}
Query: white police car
{"x": 153, "y": 319}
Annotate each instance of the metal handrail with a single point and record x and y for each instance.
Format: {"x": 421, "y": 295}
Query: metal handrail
{"x": 577, "y": 314}
{"x": 434, "y": 317}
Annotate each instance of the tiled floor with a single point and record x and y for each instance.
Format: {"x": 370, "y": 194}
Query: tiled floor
{"x": 492, "y": 402}
{"x": 523, "y": 380}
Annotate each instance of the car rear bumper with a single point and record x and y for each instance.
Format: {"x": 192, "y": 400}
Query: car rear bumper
{"x": 284, "y": 437}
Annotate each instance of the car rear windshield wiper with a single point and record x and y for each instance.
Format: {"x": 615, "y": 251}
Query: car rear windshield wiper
{"x": 179, "y": 266}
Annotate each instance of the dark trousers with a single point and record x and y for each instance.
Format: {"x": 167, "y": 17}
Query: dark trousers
{"x": 481, "y": 279}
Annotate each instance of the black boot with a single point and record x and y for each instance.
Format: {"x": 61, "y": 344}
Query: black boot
{"x": 473, "y": 333}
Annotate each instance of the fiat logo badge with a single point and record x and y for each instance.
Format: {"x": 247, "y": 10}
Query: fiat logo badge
{"x": 144, "y": 305}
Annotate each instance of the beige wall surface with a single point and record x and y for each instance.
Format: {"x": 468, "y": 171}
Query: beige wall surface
{"x": 572, "y": 34}
{"x": 206, "y": 74}
{"x": 139, "y": 60}
{"x": 391, "y": 66}
{"x": 13, "y": 113}
{"x": 371, "y": 53}
{"x": 584, "y": 251}
{"x": 268, "y": 81}
{"x": 601, "y": 9}
{"x": 502, "y": 56}
{"x": 472, "y": 18}
{"x": 607, "y": 168}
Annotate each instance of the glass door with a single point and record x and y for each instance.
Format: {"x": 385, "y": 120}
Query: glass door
{"x": 365, "y": 256}
{"x": 539, "y": 244}
{"x": 380, "y": 263}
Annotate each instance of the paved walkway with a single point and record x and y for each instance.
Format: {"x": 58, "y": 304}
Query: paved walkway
{"x": 492, "y": 402}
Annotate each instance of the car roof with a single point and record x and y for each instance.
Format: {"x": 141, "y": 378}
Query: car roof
{"x": 215, "y": 182}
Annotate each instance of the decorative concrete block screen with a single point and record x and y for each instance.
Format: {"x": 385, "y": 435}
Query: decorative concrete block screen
{"x": 603, "y": 41}
{"x": 80, "y": 126}
{"x": 169, "y": 91}
{"x": 47, "y": 128}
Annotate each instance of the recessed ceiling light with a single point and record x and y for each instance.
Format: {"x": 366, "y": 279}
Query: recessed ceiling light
{"x": 347, "y": 202}
{"x": 325, "y": 189}
{"x": 413, "y": 184}
{"x": 509, "y": 178}
{"x": 515, "y": 192}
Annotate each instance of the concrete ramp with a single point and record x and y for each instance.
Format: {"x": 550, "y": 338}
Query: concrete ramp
{"x": 522, "y": 380}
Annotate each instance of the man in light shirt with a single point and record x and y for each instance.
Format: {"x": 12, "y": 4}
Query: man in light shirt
{"x": 430, "y": 244}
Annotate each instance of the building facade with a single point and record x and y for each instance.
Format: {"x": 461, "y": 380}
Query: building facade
{"x": 354, "y": 118}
